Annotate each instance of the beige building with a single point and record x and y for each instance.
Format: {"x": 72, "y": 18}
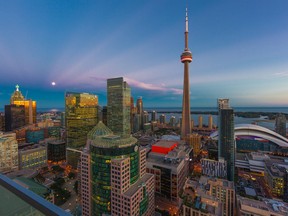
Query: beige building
{"x": 266, "y": 207}
{"x": 33, "y": 157}
{"x": 8, "y": 152}
{"x": 209, "y": 197}
{"x": 194, "y": 141}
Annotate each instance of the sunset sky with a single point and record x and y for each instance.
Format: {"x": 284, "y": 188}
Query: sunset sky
{"x": 240, "y": 50}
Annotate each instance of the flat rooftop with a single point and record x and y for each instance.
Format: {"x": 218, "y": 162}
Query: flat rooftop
{"x": 135, "y": 187}
{"x": 166, "y": 143}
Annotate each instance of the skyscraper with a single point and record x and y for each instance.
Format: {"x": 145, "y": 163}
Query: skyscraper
{"x": 81, "y": 110}
{"x": 139, "y": 106}
{"x": 118, "y": 106}
{"x": 116, "y": 182}
{"x": 186, "y": 58}
{"x": 280, "y": 124}
{"x": 226, "y": 140}
{"x": 14, "y": 117}
{"x": 30, "y": 106}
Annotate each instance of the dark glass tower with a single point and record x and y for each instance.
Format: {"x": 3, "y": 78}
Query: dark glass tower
{"x": 186, "y": 58}
{"x": 226, "y": 140}
{"x": 118, "y": 106}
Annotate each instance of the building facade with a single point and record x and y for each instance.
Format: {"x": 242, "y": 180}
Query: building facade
{"x": 33, "y": 157}
{"x": 56, "y": 151}
{"x": 214, "y": 168}
{"x": 81, "y": 115}
{"x": 14, "y": 117}
{"x": 8, "y": 152}
{"x": 226, "y": 138}
{"x": 118, "y": 182}
{"x": 118, "y": 106}
{"x": 280, "y": 124}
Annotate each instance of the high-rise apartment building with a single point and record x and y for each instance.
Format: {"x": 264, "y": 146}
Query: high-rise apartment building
{"x": 210, "y": 122}
{"x": 81, "y": 115}
{"x": 280, "y": 124}
{"x": 116, "y": 180}
{"x": 154, "y": 116}
{"x": 226, "y": 139}
{"x": 200, "y": 121}
{"x": 30, "y": 106}
{"x": 118, "y": 106}
{"x": 162, "y": 119}
{"x": 194, "y": 141}
{"x": 186, "y": 59}
{"x": 8, "y": 152}
{"x": 139, "y": 106}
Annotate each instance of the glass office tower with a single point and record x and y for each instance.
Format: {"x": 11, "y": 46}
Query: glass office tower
{"x": 118, "y": 106}
{"x": 81, "y": 115}
{"x": 105, "y": 146}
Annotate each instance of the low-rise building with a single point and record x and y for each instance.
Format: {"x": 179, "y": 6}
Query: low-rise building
{"x": 214, "y": 168}
{"x": 265, "y": 207}
{"x": 8, "y": 152}
{"x": 33, "y": 156}
{"x": 169, "y": 162}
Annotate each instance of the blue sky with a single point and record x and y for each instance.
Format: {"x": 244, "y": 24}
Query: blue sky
{"x": 240, "y": 50}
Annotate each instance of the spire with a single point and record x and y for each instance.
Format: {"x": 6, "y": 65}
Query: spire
{"x": 17, "y": 87}
{"x": 186, "y": 21}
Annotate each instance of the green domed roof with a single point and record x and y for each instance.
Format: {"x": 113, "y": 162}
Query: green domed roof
{"x": 99, "y": 130}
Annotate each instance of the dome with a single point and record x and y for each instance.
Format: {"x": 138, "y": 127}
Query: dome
{"x": 99, "y": 130}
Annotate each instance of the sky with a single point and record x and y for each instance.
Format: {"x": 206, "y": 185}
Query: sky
{"x": 240, "y": 50}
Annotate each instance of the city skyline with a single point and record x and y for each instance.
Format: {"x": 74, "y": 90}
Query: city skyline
{"x": 239, "y": 50}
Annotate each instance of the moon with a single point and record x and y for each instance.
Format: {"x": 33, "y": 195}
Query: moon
{"x": 53, "y": 83}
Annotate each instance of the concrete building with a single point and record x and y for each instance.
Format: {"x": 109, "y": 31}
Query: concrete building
{"x": 197, "y": 202}
{"x": 265, "y": 207}
{"x": 211, "y": 197}
{"x": 214, "y": 168}
{"x": 33, "y": 157}
{"x": 162, "y": 119}
{"x": 115, "y": 182}
{"x": 194, "y": 141}
{"x": 280, "y": 124}
{"x": 8, "y": 152}
{"x": 274, "y": 175}
{"x": 200, "y": 122}
{"x": 210, "y": 122}
{"x": 154, "y": 116}
{"x": 118, "y": 106}
{"x": 169, "y": 162}
{"x": 139, "y": 108}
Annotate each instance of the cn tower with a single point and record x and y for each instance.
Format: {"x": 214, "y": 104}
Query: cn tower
{"x": 186, "y": 58}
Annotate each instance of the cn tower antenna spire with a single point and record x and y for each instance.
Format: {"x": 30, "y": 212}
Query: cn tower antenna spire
{"x": 186, "y": 59}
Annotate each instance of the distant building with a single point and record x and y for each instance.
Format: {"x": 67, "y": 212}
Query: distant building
{"x": 56, "y": 151}
{"x": 194, "y": 141}
{"x": 172, "y": 121}
{"x": 139, "y": 108}
{"x": 81, "y": 112}
{"x": 214, "y": 168}
{"x": 265, "y": 207}
{"x": 226, "y": 140}
{"x": 2, "y": 122}
{"x": 169, "y": 162}
{"x": 14, "y": 117}
{"x": 29, "y": 105}
{"x": 200, "y": 121}
{"x": 162, "y": 119}
{"x": 280, "y": 124}
{"x": 136, "y": 123}
{"x": 8, "y": 152}
{"x": 145, "y": 117}
{"x": 154, "y": 116}
{"x": 274, "y": 176}
{"x": 210, "y": 122}
{"x": 33, "y": 157}
{"x": 118, "y": 106}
